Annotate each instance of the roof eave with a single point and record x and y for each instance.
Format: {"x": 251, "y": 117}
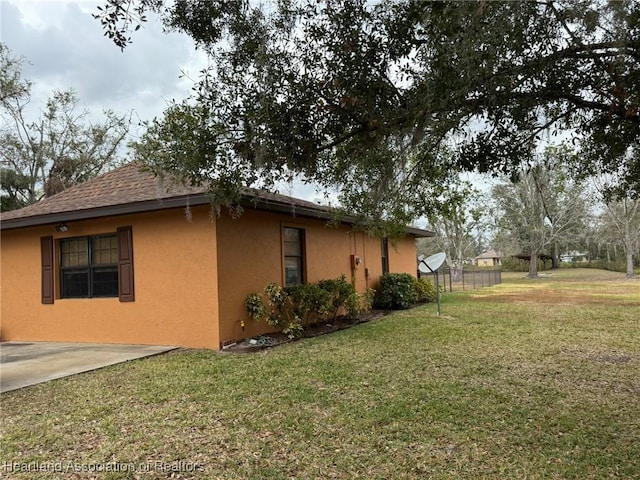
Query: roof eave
{"x": 107, "y": 211}
{"x": 419, "y": 232}
{"x": 183, "y": 201}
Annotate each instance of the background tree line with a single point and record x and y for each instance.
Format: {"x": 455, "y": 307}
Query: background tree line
{"x": 542, "y": 211}
{"x": 45, "y": 150}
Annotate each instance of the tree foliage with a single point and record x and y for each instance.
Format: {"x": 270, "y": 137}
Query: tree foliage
{"x": 543, "y": 207}
{"x": 619, "y": 222}
{"x": 363, "y": 95}
{"x": 59, "y": 149}
{"x": 621, "y": 218}
{"x": 458, "y": 226}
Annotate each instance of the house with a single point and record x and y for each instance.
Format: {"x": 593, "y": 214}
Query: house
{"x": 490, "y": 258}
{"x": 574, "y": 257}
{"x": 124, "y": 258}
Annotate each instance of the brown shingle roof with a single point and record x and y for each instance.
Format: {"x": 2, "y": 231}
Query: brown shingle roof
{"x": 124, "y": 185}
{"x": 128, "y": 189}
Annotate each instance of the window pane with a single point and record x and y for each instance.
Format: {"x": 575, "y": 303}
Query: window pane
{"x": 75, "y": 284}
{"x": 294, "y": 249}
{"x": 105, "y": 282}
{"x": 293, "y": 271}
{"x": 74, "y": 252}
{"x": 385, "y": 255}
{"x": 104, "y": 250}
{"x": 292, "y": 235}
{"x": 93, "y": 280}
{"x": 293, "y": 256}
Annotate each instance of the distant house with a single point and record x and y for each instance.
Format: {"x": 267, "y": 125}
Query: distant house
{"x": 123, "y": 258}
{"x": 573, "y": 256}
{"x": 490, "y": 258}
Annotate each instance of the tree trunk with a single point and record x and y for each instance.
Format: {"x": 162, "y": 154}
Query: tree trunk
{"x": 456, "y": 273}
{"x": 628, "y": 249}
{"x": 555, "y": 258}
{"x": 630, "y": 273}
{"x": 533, "y": 265}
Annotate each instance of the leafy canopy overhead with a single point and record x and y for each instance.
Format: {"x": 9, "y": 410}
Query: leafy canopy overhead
{"x": 364, "y": 95}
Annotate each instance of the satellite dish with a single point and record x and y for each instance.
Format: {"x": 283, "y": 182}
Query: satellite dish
{"x": 432, "y": 263}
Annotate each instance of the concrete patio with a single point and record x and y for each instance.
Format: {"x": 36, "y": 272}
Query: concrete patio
{"x": 27, "y": 363}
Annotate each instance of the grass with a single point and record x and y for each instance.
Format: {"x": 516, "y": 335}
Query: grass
{"x": 531, "y": 379}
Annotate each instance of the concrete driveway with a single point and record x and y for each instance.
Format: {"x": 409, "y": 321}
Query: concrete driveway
{"x": 27, "y": 363}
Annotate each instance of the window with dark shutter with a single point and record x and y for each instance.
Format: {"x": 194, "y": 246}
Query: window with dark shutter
{"x": 384, "y": 247}
{"x": 125, "y": 264}
{"x": 293, "y": 239}
{"x": 46, "y": 249}
{"x": 89, "y": 266}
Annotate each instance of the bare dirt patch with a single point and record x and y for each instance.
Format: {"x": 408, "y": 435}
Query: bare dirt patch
{"x": 555, "y": 298}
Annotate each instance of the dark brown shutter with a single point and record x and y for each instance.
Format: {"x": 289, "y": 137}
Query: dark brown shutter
{"x": 46, "y": 249}
{"x": 125, "y": 264}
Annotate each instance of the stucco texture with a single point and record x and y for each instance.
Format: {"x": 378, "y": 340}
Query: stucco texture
{"x": 192, "y": 274}
{"x": 176, "y": 292}
{"x": 250, "y": 255}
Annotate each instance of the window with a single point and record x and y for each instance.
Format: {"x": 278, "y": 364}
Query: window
{"x": 384, "y": 244}
{"x": 89, "y": 267}
{"x": 98, "y": 266}
{"x": 293, "y": 239}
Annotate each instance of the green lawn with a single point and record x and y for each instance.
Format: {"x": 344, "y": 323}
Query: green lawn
{"x": 531, "y": 379}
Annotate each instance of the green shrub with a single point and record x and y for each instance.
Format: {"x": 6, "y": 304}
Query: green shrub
{"x": 292, "y": 309}
{"x": 426, "y": 291}
{"x": 340, "y": 291}
{"x": 367, "y": 299}
{"x": 255, "y": 306}
{"x": 276, "y": 295}
{"x": 397, "y": 291}
{"x": 281, "y": 313}
{"x": 618, "y": 265}
{"x": 510, "y": 264}
{"x": 359, "y": 303}
{"x": 310, "y": 302}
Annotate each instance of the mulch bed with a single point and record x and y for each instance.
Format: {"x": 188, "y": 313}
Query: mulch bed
{"x": 275, "y": 339}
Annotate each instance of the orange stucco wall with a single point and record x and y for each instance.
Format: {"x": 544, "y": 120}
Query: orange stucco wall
{"x": 191, "y": 277}
{"x": 176, "y": 292}
{"x": 250, "y": 256}
{"x": 403, "y": 256}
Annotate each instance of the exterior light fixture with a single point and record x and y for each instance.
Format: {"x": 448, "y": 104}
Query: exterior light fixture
{"x": 63, "y": 227}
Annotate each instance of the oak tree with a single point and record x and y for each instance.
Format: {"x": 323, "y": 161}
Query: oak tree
{"x": 363, "y": 94}
{"x": 542, "y": 207}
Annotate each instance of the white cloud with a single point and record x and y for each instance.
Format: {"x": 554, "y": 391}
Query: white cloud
{"x": 66, "y": 48}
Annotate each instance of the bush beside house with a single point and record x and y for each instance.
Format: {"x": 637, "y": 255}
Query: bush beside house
{"x": 294, "y": 308}
{"x": 399, "y": 291}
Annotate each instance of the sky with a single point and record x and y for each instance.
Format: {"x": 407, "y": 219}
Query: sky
{"x": 64, "y": 47}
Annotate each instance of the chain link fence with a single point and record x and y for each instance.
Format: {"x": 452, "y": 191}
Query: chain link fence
{"x": 458, "y": 281}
